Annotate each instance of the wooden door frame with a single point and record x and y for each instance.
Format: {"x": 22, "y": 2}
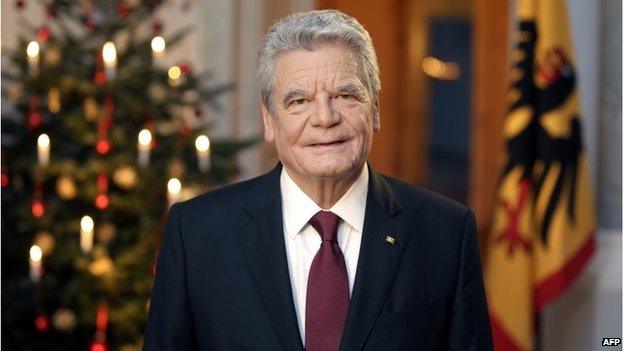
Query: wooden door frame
{"x": 490, "y": 46}
{"x": 414, "y": 93}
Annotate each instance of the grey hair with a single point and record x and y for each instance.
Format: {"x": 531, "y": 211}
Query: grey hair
{"x": 305, "y": 30}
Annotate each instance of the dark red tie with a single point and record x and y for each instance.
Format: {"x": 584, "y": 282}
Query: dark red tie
{"x": 327, "y": 300}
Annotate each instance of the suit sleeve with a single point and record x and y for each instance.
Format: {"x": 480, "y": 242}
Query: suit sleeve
{"x": 470, "y": 326}
{"x": 169, "y": 322}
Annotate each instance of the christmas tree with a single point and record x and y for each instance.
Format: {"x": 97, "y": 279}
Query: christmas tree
{"x": 100, "y": 138}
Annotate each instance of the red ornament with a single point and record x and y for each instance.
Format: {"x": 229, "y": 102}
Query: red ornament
{"x": 89, "y": 21}
{"x": 43, "y": 33}
{"x": 102, "y": 201}
{"x": 5, "y": 180}
{"x": 123, "y": 10}
{"x": 103, "y": 146}
{"x": 51, "y": 11}
{"x": 98, "y": 346}
{"x": 37, "y": 208}
{"x": 100, "y": 78}
{"x": 34, "y": 119}
{"x": 157, "y": 27}
{"x": 42, "y": 323}
{"x": 185, "y": 130}
{"x": 185, "y": 68}
{"x": 109, "y": 104}
{"x": 102, "y": 182}
{"x": 101, "y": 319}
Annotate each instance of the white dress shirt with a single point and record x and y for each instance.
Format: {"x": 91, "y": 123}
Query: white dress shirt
{"x": 303, "y": 241}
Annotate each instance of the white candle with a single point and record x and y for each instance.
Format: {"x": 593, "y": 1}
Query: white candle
{"x": 35, "y": 263}
{"x": 158, "y": 49}
{"x": 202, "y": 144}
{"x": 109, "y": 54}
{"x": 32, "y": 51}
{"x": 174, "y": 186}
{"x": 43, "y": 149}
{"x": 86, "y": 234}
{"x": 145, "y": 140}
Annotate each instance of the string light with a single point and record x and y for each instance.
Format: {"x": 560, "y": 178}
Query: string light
{"x": 43, "y": 149}
{"x": 36, "y": 255}
{"x": 145, "y": 141}
{"x": 158, "y": 45}
{"x": 174, "y": 74}
{"x": 174, "y": 186}
{"x": 86, "y": 234}
{"x": 109, "y": 55}
{"x": 202, "y": 145}
{"x": 32, "y": 51}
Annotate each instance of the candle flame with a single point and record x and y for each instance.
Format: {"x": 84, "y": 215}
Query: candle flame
{"x": 86, "y": 224}
{"x": 174, "y": 72}
{"x": 202, "y": 143}
{"x": 174, "y": 186}
{"x": 43, "y": 141}
{"x": 109, "y": 53}
{"x": 145, "y": 137}
{"x": 158, "y": 44}
{"x": 32, "y": 50}
{"x": 35, "y": 253}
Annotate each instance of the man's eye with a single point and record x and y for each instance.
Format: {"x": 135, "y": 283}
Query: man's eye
{"x": 298, "y": 102}
{"x": 346, "y": 96}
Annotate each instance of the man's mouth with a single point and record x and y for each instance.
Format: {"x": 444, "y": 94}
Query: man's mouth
{"x": 331, "y": 143}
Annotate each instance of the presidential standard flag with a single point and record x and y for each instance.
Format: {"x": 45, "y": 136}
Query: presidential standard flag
{"x": 544, "y": 220}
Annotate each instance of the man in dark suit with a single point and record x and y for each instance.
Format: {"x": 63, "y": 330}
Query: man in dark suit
{"x": 322, "y": 252}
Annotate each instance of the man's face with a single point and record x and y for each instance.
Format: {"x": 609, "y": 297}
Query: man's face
{"x": 322, "y": 118}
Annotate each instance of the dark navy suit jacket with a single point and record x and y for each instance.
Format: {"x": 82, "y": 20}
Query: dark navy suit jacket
{"x": 222, "y": 280}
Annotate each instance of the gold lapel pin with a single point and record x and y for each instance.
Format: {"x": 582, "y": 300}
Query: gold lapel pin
{"x": 390, "y": 239}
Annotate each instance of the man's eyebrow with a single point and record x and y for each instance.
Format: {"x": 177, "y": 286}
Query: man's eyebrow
{"x": 291, "y": 93}
{"x": 350, "y": 88}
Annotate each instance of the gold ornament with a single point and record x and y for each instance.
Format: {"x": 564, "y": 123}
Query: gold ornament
{"x": 14, "y": 93}
{"x": 130, "y": 347}
{"x": 106, "y": 232}
{"x": 101, "y": 266}
{"x": 52, "y": 56}
{"x": 133, "y": 3}
{"x": 54, "y": 100}
{"x": 45, "y": 240}
{"x": 126, "y": 177}
{"x": 191, "y": 96}
{"x": 66, "y": 188}
{"x": 90, "y": 108}
{"x": 177, "y": 168}
{"x": 64, "y": 319}
{"x": 156, "y": 92}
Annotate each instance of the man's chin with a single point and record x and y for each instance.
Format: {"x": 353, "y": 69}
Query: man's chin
{"x": 331, "y": 170}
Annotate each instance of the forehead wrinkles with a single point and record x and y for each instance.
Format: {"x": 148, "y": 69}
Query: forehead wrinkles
{"x": 344, "y": 68}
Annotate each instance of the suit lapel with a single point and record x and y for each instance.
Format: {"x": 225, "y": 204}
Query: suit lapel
{"x": 262, "y": 245}
{"x": 377, "y": 263}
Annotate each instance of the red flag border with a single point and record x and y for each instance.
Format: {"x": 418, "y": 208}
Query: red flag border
{"x": 502, "y": 341}
{"x": 553, "y": 286}
{"x": 547, "y": 291}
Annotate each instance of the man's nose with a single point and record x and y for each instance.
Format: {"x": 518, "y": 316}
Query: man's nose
{"x": 325, "y": 115}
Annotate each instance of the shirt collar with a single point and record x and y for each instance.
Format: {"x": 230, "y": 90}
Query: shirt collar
{"x": 298, "y": 207}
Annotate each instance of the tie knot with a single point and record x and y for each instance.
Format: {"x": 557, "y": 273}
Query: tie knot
{"x": 326, "y": 224}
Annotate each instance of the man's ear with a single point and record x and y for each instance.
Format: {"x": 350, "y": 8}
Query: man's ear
{"x": 376, "y": 119}
{"x": 267, "y": 121}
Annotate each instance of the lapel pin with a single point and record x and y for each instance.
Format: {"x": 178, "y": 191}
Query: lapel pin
{"x": 390, "y": 239}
